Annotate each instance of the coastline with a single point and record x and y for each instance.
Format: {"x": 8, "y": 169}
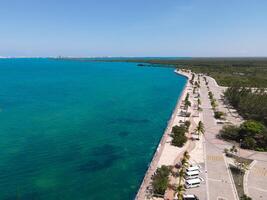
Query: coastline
{"x": 141, "y": 194}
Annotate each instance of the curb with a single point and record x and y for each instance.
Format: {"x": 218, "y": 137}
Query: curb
{"x": 245, "y": 181}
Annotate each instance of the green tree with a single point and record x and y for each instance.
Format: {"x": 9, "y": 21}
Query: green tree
{"x": 180, "y": 191}
{"x": 251, "y": 128}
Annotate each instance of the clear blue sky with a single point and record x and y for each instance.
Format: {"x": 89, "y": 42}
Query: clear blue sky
{"x": 133, "y": 27}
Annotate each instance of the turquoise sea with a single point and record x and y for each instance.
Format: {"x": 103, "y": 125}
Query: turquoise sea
{"x": 80, "y": 130}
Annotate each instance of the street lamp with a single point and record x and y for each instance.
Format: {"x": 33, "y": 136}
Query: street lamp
{"x": 240, "y": 142}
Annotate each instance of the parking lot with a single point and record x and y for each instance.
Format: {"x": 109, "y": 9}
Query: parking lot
{"x": 200, "y": 192}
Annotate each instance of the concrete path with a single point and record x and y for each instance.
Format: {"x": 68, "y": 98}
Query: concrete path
{"x": 219, "y": 182}
{"x": 257, "y": 181}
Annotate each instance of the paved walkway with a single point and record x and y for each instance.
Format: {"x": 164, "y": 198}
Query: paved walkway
{"x": 219, "y": 182}
{"x": 190, "y": 145}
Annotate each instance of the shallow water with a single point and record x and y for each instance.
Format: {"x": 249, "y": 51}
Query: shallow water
{"x": 80, "y": 130}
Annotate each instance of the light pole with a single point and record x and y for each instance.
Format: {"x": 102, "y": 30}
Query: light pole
{"x": 240, "y": 142}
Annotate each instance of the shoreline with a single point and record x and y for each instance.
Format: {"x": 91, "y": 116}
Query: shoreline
{"x": 141, "y": 194}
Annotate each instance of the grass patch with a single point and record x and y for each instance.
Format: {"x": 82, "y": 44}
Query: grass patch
{"x": 238, "y": 180}
{"x": 238, "y": 174}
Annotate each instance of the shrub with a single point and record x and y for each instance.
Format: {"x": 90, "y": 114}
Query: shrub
{"x": 249, "y": 143}
{"x": 178, "y": 129}
{"x": 251, "y": 128}
{"x": 160, "y": 180}
{"x": 213, "y": 103}
{"x": 187, "y": 125}
{"x": 178, "y": 135}
{"x": 179, "y": 141}
{"x": 229, "y": 132}
{"x": 218, "y": 114}
{"x": 245, "y": 197}
{"x": 210, "y": 95}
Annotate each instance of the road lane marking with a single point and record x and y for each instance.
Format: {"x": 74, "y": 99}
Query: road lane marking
{"x": 214, "y": 158}
{"x": 213, "y": 179}
{"x": 259, "y": 171}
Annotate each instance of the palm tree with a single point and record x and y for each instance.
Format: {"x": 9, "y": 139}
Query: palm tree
{"x": 187, "y": 104}
{"x": 198, "y": 104}
{"x": 186, "y": 155}
{"x": 181, "y": 174}
{"x": 200, "y": 129}
{"x": 180, "y": 191}
{"x": 184, "y": 163}
{"x": 198, "y": 101}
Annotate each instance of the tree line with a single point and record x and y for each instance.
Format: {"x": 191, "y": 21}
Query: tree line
{"x": 250, "y": 104}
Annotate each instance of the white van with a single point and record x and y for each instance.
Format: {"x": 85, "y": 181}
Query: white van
{"x": 190, "y": 197}
{"x": 191, "y": 174}
{"x": 191, "y": 183}
{"x": 193, "y": 168}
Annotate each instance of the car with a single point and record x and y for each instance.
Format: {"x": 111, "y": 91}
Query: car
{"x": 190, "y": 197}
{"x": 191, "y": 183}
{"x": 193, "y": 168}
{"x": 191, "y": 174}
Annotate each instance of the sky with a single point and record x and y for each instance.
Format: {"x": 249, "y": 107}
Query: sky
{"x": 167, "y": 28}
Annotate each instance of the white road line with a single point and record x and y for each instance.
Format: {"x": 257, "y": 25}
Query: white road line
{"x": 206, "y": 168}
{"x": 213, "y": 179}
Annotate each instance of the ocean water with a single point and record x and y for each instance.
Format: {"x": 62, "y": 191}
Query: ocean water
{"x": 80, "y": 130}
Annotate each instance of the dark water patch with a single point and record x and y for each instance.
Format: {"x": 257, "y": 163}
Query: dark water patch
{"x": 130, "y": 121}
{"x": 123, "y": 133}
{"x": 101, "y": 158}
{"x": 104, "y": 150}
{"x": 69, "y": 154}
{"x": 27, "y": 196}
